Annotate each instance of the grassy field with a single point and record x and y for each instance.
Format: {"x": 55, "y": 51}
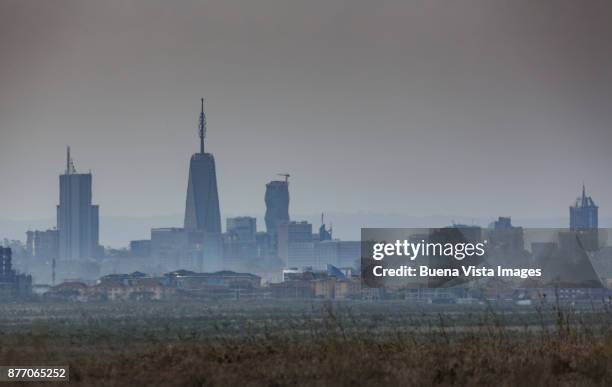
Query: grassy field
{"x": 318, "y": 343}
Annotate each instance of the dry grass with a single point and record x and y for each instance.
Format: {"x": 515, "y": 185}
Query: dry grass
{"x": 328, "y": 345}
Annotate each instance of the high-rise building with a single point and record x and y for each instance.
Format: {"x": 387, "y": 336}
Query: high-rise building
{"x": 77, "y": 218}
{"x": 202, "y": 205}
{"x": 6, "y": 265}
{"x": 277, "y": 205}
{"x": 170, "y": 248}
{"x": 325, "y": 234}
{"x": 504, "y": 236}
{"x": 43, "y": 245}
{"x": 240, "y": 250}
{"x": 583, "y": 214}
{"x": 12, "y": 284}
{"x": 338, "y": 253}
{"x": 140, "y": 248}
{"x": 241, "y": 228}
{"x": 296, "y": 246}
{"x": 583, "y": 234}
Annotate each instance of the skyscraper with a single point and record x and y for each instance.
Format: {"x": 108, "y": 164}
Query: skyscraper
{"x": 202, "y": 206}
{"x": 77, "y": 218}
{"x": 584, "y": 233}
{"x": 583, "y": 214}
{"x": 277, "y": 205}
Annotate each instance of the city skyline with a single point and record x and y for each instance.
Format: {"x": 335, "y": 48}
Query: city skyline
{"x": 315, "y": 192}
{"x": 397, "y": 220}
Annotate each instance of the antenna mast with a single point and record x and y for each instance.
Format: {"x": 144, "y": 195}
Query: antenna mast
{"x": 202, "y": 127}
{"x": 68, "y": 160}
{"x": 70, "y": 169}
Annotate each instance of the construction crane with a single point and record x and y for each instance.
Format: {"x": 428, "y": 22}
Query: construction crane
{"x": 286, "y": 175}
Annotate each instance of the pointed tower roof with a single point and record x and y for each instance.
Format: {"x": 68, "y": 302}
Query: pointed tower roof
{"x": 584, "y": 200}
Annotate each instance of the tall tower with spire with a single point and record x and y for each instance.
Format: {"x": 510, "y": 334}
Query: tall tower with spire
{"x": 202, "y": 205}
{"x": 584, "y": 213}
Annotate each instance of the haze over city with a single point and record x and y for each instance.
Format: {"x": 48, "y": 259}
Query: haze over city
{"x": 306, "y": 192}
{"x": 469, "y": 109}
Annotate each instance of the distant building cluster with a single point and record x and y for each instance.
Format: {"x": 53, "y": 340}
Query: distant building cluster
{"x": 289, "y": 259}
{"x": 222, "y": 285}
{"x": 72, "y": 251}
{"x": 138, "y": 286}
{"x": 332, "y": 284}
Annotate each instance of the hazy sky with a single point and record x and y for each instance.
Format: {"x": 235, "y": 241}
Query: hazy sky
{"x": 479, "y": 108}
